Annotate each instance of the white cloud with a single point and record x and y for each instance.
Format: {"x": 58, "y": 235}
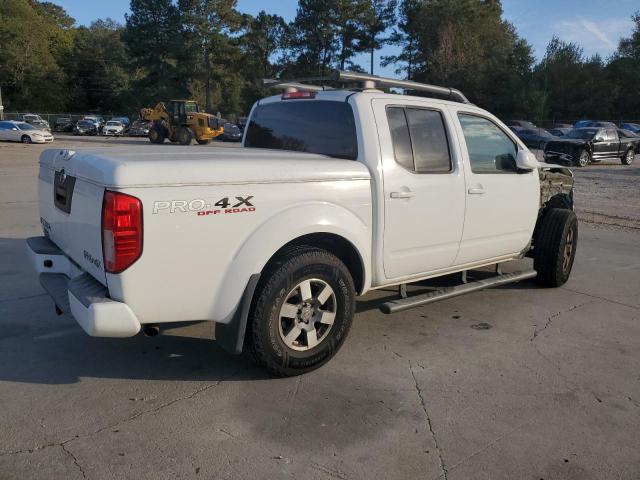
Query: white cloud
{"x": 599, "y": 36}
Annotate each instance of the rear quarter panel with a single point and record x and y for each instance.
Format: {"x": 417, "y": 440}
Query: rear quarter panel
{"x": 198, "y": 256}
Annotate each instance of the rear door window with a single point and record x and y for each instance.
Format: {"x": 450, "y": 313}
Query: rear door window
{"x": 419, "y": 137}
{"x": 313, "y": 126}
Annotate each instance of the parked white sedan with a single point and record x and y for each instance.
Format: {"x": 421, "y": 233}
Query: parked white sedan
{"x": 23, "y": 132}
{"x": 113, "y": 128}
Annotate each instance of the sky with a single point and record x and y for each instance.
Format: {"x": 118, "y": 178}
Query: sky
{"x": 596, "y": 25}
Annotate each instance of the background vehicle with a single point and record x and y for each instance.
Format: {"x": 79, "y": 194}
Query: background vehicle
{"x": 633, "y": 127}
{"x": 97, "y": 120}
{"x": 601, "y": 125}
{"x": 36, "y": 120}
{"x": 231, "y": 133}
{"x": 242, "y": 123}
{"x": 521, "y": 124}
{"x": 23, "y": 132}
{"x": 85, "y": 127}
{"x": 181, "y": 121}
{"x": 582, "y": 123}
{"x": 139, "y": 128}
{"x": 582, "y": 146}
{"x": 560, "y": 131}
{"x": 113, "y": 127}
{"x": 336, "y": 193}
{"x": 533, "y": 138}
{"x": 123, "y": 120}
{"x": 63, "y": 124}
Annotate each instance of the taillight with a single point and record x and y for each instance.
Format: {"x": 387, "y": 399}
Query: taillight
{"x": 121, "y": 231}
{"x": 298, "y": 94}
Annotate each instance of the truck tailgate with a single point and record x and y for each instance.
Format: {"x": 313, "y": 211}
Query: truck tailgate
{"x": 71, "y": 210}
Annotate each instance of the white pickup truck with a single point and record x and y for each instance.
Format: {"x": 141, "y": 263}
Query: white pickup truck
{"x": 334, "y": 193}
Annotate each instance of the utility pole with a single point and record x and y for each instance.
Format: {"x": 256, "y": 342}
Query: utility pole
{"x": 1, "y": 106}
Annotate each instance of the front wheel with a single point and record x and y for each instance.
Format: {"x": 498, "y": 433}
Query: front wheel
{"x": 628, "y": 157}
{"x": 156, "y": 134}
{"x": 25, "y": 139}
{"x": 555, "y": 247}
{"x": 302, "y": 312}
{"x": 584, "y": 158}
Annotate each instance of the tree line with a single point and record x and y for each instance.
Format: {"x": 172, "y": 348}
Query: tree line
{"x": 209, "y": 51}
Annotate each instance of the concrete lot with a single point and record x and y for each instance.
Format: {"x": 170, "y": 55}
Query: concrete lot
{"x": 510, "y": 383}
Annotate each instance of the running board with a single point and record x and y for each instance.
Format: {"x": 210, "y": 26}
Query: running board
{"x": 401, "y": 304}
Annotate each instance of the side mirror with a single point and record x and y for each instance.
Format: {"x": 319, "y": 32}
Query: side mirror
{"x": 599, "y": 139}
{"x": 525, "y": 160}
{"x": 15, "y": 129}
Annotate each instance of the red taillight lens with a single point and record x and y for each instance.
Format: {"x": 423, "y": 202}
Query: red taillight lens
{"x": 121, "y": 231}
{"x": 298, "y": 94}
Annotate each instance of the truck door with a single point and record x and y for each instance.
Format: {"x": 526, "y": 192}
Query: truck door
{"x": 600, "y": 145}
{"x": 613, "y": 143}
{"x": 502, "y": 202}
{"x": 423, "y": 187}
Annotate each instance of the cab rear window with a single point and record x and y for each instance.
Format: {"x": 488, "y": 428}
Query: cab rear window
{"x": 313, "y": 126}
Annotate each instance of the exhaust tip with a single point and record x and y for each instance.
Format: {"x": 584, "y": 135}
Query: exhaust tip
{"x": 151, "y": 331}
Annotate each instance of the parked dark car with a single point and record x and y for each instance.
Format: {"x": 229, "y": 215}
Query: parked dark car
{"x": 231, "y": 133}
{"x": 582, "y": 123}
{"x": 582, "y": 146}
{"x": 533, "y": 137}
{"x": 139, "y": 128}
{"x": 601, "y": 125}
{"x": 242, "y": 122}
{"x": 63, "y": 124}
{"x": 521, "y": 124}
{"x": 562, "y": 125}
{"x": 560, "y": 131}
{"x": 85, "y": 127}
{"x": 633, "y": 127}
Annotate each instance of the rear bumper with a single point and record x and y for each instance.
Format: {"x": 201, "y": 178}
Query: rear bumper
{"x": 78, "y": 293}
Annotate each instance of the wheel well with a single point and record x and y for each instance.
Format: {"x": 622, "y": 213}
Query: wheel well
{"x": 339, "y": 246}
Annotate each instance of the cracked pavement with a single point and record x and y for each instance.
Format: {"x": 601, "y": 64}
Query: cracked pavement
{"x": 513, "y": 382}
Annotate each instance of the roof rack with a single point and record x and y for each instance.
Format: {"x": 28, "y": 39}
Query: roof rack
{"x": 367, "y": 82}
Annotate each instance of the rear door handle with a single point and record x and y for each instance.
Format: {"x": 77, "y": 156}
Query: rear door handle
{"x": 477, "y": 191}
{"x": 408, "y": 194}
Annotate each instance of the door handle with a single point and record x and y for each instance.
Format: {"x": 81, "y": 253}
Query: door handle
{"x": 476, "y": 191}
{"x": 407, "y": 194}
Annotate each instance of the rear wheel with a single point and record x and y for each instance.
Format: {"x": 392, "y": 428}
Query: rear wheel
{"x": 25, "y": 139}
{"x": 184, "y": 136}
{"x": 584, "y": 158}
{"x": 555, "y": 247}
{"x": 628, "y": 157}
{"x": 302, "y": 311}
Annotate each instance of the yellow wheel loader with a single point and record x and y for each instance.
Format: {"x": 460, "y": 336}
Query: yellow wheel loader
{"x": 181, "y": 121}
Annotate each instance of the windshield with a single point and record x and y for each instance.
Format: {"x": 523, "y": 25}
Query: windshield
{"x": 231, "y": 128}
{"x": 314, "y": 126}
{"x": 25, "y": 126}
{"x": 190, "y": 107}
{"x": 582, "y": 134}
{"x": 114, "y": 124}
{"x": 85, "y": 123}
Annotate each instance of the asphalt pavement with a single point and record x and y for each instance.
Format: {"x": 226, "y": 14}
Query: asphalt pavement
{"x": 517, "y": 382}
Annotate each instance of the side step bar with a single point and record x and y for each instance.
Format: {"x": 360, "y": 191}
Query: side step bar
{"x": 401, "y": 304}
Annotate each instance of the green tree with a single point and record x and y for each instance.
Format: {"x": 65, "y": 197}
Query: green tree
{"x": 623, "y": 72}
{"x": 29, "y": 72}
{"x": 379, "y": 16}
{"x": 98, "y": 70}
{"x": 152, "y": 37}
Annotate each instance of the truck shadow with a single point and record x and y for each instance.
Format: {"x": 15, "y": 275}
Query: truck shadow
{"x": 37, "y": 346}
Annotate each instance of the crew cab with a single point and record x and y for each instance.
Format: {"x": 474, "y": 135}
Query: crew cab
{"x": 334, "y": 193}
{"x": 582, "y": 146}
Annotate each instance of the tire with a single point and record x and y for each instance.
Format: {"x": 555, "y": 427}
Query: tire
{"x": 628, "y": 157}
{"x": 25, "y": 139}
{"x": 184, "y": 136}
{"x": 156, "y": 134}
{"x": 583, "y": 159}
{"x": 555, "y": 247}
{"x": 283, "y": 327}
{"x": 203, "y": 142}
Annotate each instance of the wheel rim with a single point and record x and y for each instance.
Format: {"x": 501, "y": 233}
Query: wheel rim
{"x": 584, "y": 158}
{"x": 26, "y": 139}
{"x": 568, "y": 252}
{"x": 307, "y": 314}
{"x": 630, "y": 155}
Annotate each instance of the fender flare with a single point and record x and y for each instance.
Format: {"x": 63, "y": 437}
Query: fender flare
{"x": 280, "y": 229}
